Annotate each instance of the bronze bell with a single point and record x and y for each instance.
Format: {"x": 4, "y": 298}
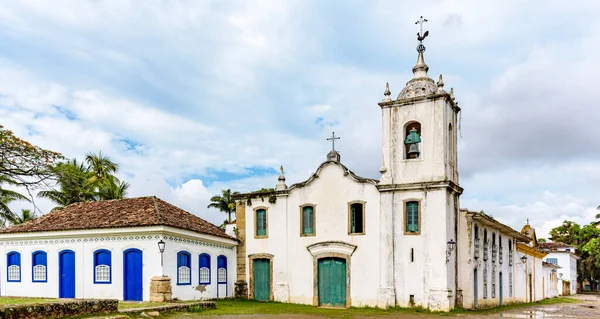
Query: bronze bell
{"x": 413, "y": 151}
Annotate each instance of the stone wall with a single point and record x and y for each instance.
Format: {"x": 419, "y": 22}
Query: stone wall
{"x": 241, "y": 289}
{"x": 160, "y": 289}
{"x": 59, "y": 309}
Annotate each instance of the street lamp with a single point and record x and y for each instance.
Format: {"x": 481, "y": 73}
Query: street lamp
{"x": 449, "y": 248}
{"x": 560, "y": 275}
{"x": 524, "y": 259}
{"x": 161, "y": 248}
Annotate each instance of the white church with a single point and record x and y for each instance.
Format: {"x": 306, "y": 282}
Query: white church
{"x": 339, "y": 239}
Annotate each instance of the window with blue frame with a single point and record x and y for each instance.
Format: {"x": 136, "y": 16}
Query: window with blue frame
{"x": 222, "y": 269}
{"x": 13, "y": 263}
{"x": 552, "y": 261}
{"x": 102, "y": 266}
{"x": 39, "y": 263}
{"x": 204, "y": 265}
{"x": 184, "y": 261}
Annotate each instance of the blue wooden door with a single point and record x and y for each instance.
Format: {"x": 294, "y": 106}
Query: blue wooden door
{"x": 132, "y": 275}
{"x": 66, "y": 269}
{"x": 332, "y": 282}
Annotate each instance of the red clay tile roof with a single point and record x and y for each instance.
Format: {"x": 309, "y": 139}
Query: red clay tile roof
{"x": 552, "y": 246}
{"x": 118, "y": 213}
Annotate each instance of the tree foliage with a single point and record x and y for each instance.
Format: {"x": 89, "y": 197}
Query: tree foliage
{"x": 83, "y": 182}
{"x": 224, "y": 202}
{"x": 587, "y": 241}
{"x": 25, "y": 164}
{"x": 22, "y": 165}
{"x": 26, "y": 215}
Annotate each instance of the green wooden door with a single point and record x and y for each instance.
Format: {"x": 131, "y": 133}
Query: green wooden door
{"x": 262, "y": 279}
{"x": 332, "y": 282}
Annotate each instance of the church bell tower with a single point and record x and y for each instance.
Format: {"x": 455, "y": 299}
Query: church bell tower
{"x": 419, "y": 192}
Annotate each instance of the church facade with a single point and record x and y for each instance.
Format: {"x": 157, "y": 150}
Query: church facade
{"x": 338, "y": 239}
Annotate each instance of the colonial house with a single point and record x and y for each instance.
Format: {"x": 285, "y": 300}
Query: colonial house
{"x": 550, "y": 280}
{"x": 487, "y": 275}
{"x": 564, "y": 256}
{"x": 529, "y": 278}
{"x": 116, "y": 249}
{"x": 339, "y": 239}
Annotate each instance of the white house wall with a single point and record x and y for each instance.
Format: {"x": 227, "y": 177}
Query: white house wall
{"x": 569, "y": 268}
{"x": 85, "y": 243}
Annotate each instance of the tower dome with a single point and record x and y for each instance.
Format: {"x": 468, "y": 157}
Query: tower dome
{"x": 421, "y": 84}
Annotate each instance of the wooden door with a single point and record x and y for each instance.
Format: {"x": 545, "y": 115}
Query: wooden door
{"x": 132, "y": 275}
{"x": 332, "y": 282}
{"x": 475, "y": 289}
{"x": 66, "y": 260}
{"x": 262, "y": 279}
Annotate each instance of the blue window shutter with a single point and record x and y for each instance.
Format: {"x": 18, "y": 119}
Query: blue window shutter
{"x": 39, "y": 258}
{"x": 222, "y": 262}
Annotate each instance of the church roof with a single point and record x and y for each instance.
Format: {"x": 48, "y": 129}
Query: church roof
{"x": 118, "y": 213}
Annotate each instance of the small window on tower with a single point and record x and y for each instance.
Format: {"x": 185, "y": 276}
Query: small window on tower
{"x": 412, "y": 218}
{"x": 412, "y": 140}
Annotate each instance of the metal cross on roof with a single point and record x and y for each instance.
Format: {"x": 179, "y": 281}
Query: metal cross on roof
{"x": 421, "y": 36}
{"x": 332, "y": 139}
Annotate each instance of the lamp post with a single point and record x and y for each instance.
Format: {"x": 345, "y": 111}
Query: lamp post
{"x": 161, "y": 248}
{"x": 450, "y": 245}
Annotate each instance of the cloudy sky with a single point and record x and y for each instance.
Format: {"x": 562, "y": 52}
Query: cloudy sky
{"x": 190, "y": 97}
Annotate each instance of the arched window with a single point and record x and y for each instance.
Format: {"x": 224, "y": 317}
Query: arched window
{"x": 13, "y": 264}
{"x": 412, "y": 140}
{"x": 308, "y": 221}
{"x": 356, "y": 219}
{"x": 39, "y": 264}
{"x": 102, "y": 266}
{"x": 184, "y": 261}
{"x": 500, "y": 241}
{"x": 493, "y": 239}
{"x": 476, "y": 232}
{"x": 222, "y": 269}
{"x": 510, "y": 244}
{"x": 204, "y": 266}
{"x": 485, "y": 239}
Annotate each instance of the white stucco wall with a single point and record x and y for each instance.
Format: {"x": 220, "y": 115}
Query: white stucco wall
{"x": 534, "y": 268}
{"x": 293, "y": 270}
{"x": 550, "y": 287}
{"x": 85, "y": 243}
{"x": 468, "y": 263}
{"x": 568, "y": 263}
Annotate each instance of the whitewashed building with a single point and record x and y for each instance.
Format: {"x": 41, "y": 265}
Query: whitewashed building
{"x": 530, "y": 274}
{"x": 550, "y": 280}
{"x": 566, "y": 257}
{"x": 488, "y": 261}
{"x": 339, "y": 239}
{"x": 110, "y": 249}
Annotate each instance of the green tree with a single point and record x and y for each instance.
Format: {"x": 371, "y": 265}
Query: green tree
{"x": 24, "y": 164}
{"x": 587, "y": 241}
{"x": 26, "y": 215}
{"x": 102, "y": 167}
{"x": 224, "y": 202}
{"x": 541, "y": 240}
{"x": 113, "y": 190}
{"x": 7, "y": 196}
{"x": 73, "y": 180}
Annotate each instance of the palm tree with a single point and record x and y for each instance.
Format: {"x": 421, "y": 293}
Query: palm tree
{"x": 26, "y": 216}
{"x": 113, "y": 190}
{"x": 74, "y": 181}
{"x": 224, "y": 203}
{"x": 7, "y": 196}
{"x": 101, "y": 166}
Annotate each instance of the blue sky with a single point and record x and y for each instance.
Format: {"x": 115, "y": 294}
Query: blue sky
{"x": 193, "y": 96}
